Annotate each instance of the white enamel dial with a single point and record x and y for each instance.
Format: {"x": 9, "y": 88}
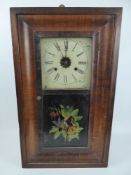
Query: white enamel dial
{"x": 66, "y": 63}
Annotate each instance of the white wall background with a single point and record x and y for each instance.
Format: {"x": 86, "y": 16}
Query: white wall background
{"x": 120, "y": 150}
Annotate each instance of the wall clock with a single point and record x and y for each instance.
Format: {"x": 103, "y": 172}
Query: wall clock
{"x": 65, "y": 67}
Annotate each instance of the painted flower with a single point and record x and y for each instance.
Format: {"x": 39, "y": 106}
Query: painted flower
{"x": 54, "y": 114}
{"x": 65, "y": 123}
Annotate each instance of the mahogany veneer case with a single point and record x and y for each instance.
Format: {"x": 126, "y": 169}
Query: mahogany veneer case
{"x": 65, "y": 127}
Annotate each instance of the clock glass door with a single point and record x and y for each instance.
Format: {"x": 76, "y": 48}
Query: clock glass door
{"x": 63, "y": 85}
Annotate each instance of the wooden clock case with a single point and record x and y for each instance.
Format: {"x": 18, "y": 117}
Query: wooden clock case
{"x": 103, "y": 25}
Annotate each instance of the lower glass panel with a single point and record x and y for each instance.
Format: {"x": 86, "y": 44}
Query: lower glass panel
{"x": 64, "y": 122}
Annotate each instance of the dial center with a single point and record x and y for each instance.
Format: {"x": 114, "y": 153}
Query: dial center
{"x": 65, "y": 62}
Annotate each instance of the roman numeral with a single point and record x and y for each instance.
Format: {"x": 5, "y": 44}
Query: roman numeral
{"x": 51, "y": 70}
{"x": 74, "y": 47}
{"x": 79, "y": 54}
{"x": 57, "y": 76}
{"x": 48, "y": 62}
{"x": 66, "y": 45}
{"x": 80, "y": 71}
{"x": 52, "y": 54}
{"x": 74, "y": 77}
{"x": 65, "y": 79}
{"x": 82, "y": 62}
{"x": 57, "y": 46}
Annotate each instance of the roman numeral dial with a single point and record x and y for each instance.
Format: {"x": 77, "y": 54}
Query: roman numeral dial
{"x": 66, "y": 63}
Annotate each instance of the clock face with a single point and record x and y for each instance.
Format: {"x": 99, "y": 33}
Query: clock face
{"x": 66, "y": 63}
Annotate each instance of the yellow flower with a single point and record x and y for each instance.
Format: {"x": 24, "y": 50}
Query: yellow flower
{"x": 72, "y": 130}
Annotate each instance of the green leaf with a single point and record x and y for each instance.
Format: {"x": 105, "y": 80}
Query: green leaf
{"x": 61, "y": 106}
{"x": 69, "y": 138}
{"x": 63, "y": 133}
{"x": 80, "y": 129}
{"x": 57, "y": 134}
{"x": 64, "y": 112}
{"x": 73, "y": 136}
{"x": 78, "y": 118}
{"x": 77, "y": 137}
{"x": 55, "y": 123}
{"x": 75, "y": 112}
{"x": 53, "y": 129}
{"x": 76, "y": 123}
{"x": 70, "y": 109}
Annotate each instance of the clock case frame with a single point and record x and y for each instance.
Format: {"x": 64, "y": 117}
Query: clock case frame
{"x": 104, "y": 25}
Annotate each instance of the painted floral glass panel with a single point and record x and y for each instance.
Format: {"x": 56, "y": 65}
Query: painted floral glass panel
{"x": 65, "y": 123}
